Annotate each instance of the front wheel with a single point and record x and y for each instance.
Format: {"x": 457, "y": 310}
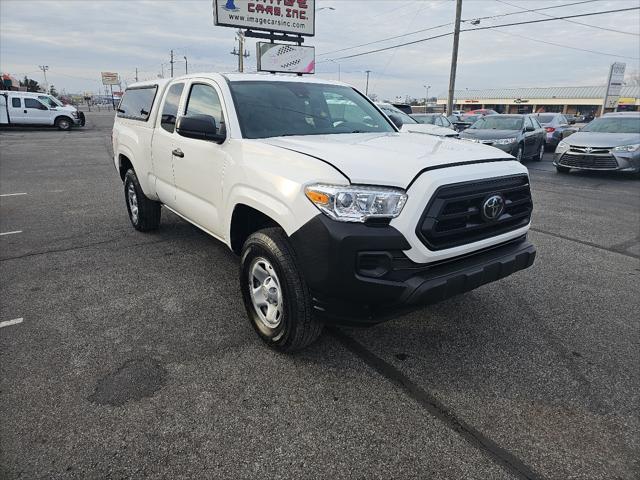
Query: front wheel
{"x": 520, "y": 153}
{"x": 275, "y": 293}
{"x": 540, "y": 155}
{"x": 63, "y": 123}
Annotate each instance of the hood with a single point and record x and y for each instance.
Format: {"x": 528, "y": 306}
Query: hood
{"x": 391, "y": 159}
{"x": 603, "y": 140}
{"x": 428, "y": 129}
{"x": 489, "y": 134}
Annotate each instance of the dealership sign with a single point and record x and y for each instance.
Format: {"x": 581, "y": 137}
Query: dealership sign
{"x": 280, "y": 57}
{"x": 110, "y": 78}
{"x": 286, "y": 16}
{"x": 614, "y": 85}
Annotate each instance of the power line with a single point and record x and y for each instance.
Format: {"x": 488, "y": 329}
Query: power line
{"x": 570, "y": 21}
{"x": 490, "y": 28}
{"x": 451, "y": 23}
{"x": 566, "y": 46}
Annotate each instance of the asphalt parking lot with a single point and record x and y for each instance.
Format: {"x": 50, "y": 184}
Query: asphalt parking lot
{"x": 134, "y": 357}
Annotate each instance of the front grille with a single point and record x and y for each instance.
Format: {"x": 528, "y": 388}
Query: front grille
{"x": 604, "y": 162}
{"x": 453, "y": 216}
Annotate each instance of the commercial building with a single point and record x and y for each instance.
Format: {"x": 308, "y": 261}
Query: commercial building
{"x": 571, "y": 100}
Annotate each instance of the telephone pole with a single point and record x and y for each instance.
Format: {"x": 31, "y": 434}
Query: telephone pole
{"x": 171, "y": 62}
{"x": 454, "y": 57}
{"x": 366, "y": 90}
{"x": 44, "y": 69}
{"x": 186, "y": 65}
{"x": 136, "y": 74}
{"x": 241, "y": 53}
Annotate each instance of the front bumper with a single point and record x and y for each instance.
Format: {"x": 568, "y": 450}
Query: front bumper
{"x": 622, "y": 162}
{"x": 358, "y": 274}
{"x": 80, "y": 120}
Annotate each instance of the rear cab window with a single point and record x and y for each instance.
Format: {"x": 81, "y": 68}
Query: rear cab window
{"x": 15, "y": 102}
{"x": 137, "y": 102}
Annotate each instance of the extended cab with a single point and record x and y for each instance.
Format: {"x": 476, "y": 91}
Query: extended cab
{"x": 335, "y": 218}
{"x": 37, "y": 109}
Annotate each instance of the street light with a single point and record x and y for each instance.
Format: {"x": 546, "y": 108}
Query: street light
{"x": 426, "y": 98}
{"x": 333, "y": 61}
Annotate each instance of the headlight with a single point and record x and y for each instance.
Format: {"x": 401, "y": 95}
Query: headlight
{"x": 562, "y": 147}
{"x": 627, "y": 148}
{"x": 470, "y": 139}
{"x": 356, "y": 203}
{"x": 504, "y": 141}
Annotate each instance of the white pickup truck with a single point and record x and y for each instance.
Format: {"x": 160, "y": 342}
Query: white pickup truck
{"x": 37, "y": 109}
{"x": 335, "y": 214}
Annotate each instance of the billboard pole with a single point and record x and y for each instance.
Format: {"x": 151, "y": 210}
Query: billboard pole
{"x": 113, "y": 103}
{"x": 454, "y": 57}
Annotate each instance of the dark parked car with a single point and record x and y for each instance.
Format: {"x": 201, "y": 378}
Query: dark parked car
{"x": 403, "y": 107}
{"x": 557, "y": 127}
{"x": 520, "y": 135}
{"x": 437, "y": 119}
{"x": 462, "y": 122}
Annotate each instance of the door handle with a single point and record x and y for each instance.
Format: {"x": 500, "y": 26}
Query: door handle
{"x": 177, "y": 153}
{"x": 25, "y": 111}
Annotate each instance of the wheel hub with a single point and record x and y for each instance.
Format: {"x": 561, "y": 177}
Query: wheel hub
{"x": 266, "y": 296}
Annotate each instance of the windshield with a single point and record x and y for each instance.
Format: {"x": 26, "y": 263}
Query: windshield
{"x": 276, "y": 109}
{"x": 498, "y": 122}
{"x": 50, "y": 101}
{"x": 425, "y": 119}
{"x": 614, "y": 125}
{"x": 545, "y": 118}
{"x": 390, "y": 110}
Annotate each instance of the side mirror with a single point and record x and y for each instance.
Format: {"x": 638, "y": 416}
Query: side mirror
{"x": 572, "y": 121}
{"x": 529, "y": 128}
{"x": 201, "y": 127}
{"x": 43, "y": 107}
{"x": 397, "y": 121}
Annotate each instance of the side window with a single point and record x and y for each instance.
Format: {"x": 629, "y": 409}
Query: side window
{"x": 563, "y": 120}
{"x": 203, "y": 100}
{"x": 446, "y": 122}
{"x": 33, "y": 103}
{"x": 136, "y": 103}
{"x": 535, "y": 122}
{"x": 170, "y": 107}
{"x": 439, "y": 122}
{"x": 15, "y": 102}
{"x": 528, "y": 123}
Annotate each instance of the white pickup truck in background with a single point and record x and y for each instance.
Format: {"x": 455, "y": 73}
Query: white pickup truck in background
{"x": 37, "y": 109}
{"x": 336, "y": 215}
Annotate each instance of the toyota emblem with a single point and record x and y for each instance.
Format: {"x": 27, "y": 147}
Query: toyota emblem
{"x": 493, "y": 207}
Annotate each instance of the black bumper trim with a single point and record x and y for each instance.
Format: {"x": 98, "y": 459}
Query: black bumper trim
{"x": 328, "y": 254}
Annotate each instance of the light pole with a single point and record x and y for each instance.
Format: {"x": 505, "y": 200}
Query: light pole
{"x": 426, "y": 98}
{"x": 44, "y": 69}
{"x": 186, "y": 65}
{"x": 366, "y": 90}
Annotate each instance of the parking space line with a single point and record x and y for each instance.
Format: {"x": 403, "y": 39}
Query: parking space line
{"x": 10, "y": 233}
{"x": 7, "y": 323}
{"x": 430, "y": 403}
{"x": 12, "y": 194}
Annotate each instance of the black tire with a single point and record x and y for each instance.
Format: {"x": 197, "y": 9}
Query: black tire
{"x": 562, "y": 169}
{"x": 520, "y": 153}
{"x": 145, "y": 213}
{"x": 297, "y": 325}
{"x": 64, "y": 123}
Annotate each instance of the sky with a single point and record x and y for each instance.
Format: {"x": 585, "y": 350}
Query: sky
{"x": 78, "y": 39}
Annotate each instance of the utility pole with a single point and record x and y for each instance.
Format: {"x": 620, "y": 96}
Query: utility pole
{"x": 136, "y": 74}
{"x": 454, "y": 57}
{"x": 44, "y": 69}
{"x": 366, "y": 90}
{"x": 171, "y": 62}
{"x": 241, "y": 53}
{"x": 186, "y": 65}
{"x": 426, "y": 98}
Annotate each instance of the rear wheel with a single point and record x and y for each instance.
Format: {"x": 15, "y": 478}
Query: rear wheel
{"x": 143, "y": 212}
{"x": 63, "y": 123}
{"x": 562, "y": 169}
{"x": 275, "y": 293}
